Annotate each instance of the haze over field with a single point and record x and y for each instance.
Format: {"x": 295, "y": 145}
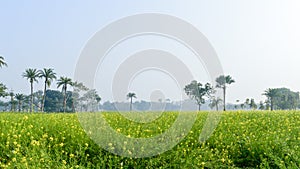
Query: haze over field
{"x": 257, "y": 42}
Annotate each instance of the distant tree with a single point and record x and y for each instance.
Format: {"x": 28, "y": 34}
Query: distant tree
{"x": 64, "y": 82}
{"x": 20, "y": 98}
{"x": 222, "y": 82}
{"x": 252, "y": 104}
{"x": 130, "y": 96}
{"x": 53, "y": 101}
{"x": 261, "y": 106}
{"x": 215, "y": 103}
{"x": 31, "y": 75}
{"x": 271, "y": 94}
{"x": 196, "y": 91}
{"x": 12, "y": 106}
{"x": 242, "y": 105}
{"x": 77, "y": 95}
{"x": 3, "y": 89}
{"x": 98, "y": 99}
{"x": 90, "y": 100}
{"x": 2, "y": 62}
{"x": 37, "y": 97}
{"x": 247, "y": 102}
{"x": 49, "y": 75}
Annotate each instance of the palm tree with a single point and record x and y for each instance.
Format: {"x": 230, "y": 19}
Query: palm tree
{"x": 64, "y": 82}
{"x": 222, "y": 82}
{"x": 49, "y": 75}
{"x": 271, "y": 94}
{"x": 215, "y": 103}
{"x": 98, "y": 99}
{"x": 20, "y": 98}
{"x": 130, "y": 96}
{"x": 2, "y": 62}
{"x": 31, "y": 75}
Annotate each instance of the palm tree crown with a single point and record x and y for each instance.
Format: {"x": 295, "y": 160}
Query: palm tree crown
{"x": 2, "y": 62}
{"x": 31, "y": 75}
{"x": 64, "y": 82}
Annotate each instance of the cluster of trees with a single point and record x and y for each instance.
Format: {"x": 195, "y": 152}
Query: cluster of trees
{"x": 50, "y": 100}
{"x": 200, "y": 93}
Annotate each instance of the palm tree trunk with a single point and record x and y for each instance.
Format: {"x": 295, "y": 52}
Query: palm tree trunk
{"x": 11, "y": 104}
{"x": 19, "y": 105}
{"x": 65, "y": 100}
{"x": 44, "y": 96}
{"x": 224, "y": 102}
{"x": 217, "y": 107}
{"x": 130, "y": 103}
{"x": 271, "y": 104}
{"x": 31, "y": 102}
{"x": 199, "y": 107}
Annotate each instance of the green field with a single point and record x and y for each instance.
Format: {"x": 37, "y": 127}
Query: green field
{"x": 258, "y": 139}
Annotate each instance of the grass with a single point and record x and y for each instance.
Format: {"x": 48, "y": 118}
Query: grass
{"x": 250, "y": 139}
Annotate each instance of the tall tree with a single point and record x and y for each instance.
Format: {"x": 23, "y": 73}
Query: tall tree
{"x": 271, "y": 94}
{"x": 49, "y": 75}
{"x": 31, "y": 75}
{"x": 130, "y": 96}
{"x": 222, "y": 82}
{"x": 196, "y": 91}
{"x": 2, "y": 62}
{"x": 64, "y": 82}
{"x": 20, "y": 98}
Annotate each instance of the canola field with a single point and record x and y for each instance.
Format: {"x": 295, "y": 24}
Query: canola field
{"x": 242, "y": 139}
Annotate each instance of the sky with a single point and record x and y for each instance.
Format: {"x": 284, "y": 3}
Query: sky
{"x": 257, "y": 42}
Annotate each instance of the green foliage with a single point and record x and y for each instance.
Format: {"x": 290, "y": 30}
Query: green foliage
{"x": 54, "y": 101}
{"x": 2, "y": 62}
{"x": 282, "y": 98}
{"x": 241, "y": 140}
{"x": 196, "y": 91}
{"x": 3, "y": 91}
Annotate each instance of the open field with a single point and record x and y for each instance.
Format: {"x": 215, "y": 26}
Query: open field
{"x": 258, "y": 139}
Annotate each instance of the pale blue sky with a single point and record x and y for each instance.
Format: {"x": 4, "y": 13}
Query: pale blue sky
{"x": 258, "y": 42}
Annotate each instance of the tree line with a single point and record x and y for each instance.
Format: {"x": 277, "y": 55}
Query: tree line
{"x": 84, "y": 99}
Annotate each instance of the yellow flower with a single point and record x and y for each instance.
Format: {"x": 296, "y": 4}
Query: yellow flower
{"x": 71, "y": 155}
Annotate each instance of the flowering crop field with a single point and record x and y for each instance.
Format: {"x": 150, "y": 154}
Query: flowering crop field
{"x": 242, "y": 139}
